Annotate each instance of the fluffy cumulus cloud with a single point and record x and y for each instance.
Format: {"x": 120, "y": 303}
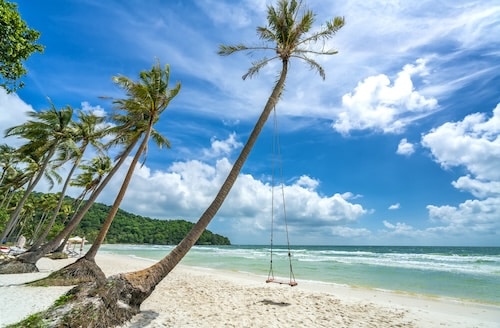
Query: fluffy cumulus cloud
{"x": 405, "y": 148}
{"x": 95, "y": 110}
{"x": 184, "y": 189}
{"x": 222, "y": 147}
{"x": 379, "y": 105}
{"x": 474, "y": 145}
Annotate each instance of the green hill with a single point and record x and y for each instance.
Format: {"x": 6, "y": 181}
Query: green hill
{"x": 136, "y": 229}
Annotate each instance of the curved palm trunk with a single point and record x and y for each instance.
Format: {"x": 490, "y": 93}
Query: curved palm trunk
{"x": 113, "y": 301}
{"x": 91, "y": 253}
{"x": 145, "y": 281}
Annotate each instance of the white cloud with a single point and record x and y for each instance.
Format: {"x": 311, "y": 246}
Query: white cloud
{"x": 405, "y": 148}
{"x": 95, "y": 110}
{"x": 307, "y": 182}
{"x": 346, "y": 232}
{"x": 185, "y": 189}
{"x": 471, "y": 215}
{"x": 478, "y": 188}
{"x": 395, "y": 206}
{"x": 222, "y": 147}
{"x": 13, "y": 112}
{"x": 400, "y": 228}
{"x": 376, "y": 104}
{"x": 473, "y": 143}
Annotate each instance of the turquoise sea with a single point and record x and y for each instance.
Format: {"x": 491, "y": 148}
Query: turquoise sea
{"x": 468, "y": 273}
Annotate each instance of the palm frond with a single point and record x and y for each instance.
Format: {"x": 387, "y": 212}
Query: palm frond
{"x": 256, "y": 66}
{"x": 313, "y": 65}
{"x": 160, "y": 140}
{"x": 228, "y": 50}
{"x": 332, "y": 27}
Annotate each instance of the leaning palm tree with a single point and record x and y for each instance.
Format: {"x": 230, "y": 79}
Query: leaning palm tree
{"x": 147, "y": 100}
{"x": 124, "y": 293}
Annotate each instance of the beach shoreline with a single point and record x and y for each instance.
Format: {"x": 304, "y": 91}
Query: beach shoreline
{"x": 200, "y": 297}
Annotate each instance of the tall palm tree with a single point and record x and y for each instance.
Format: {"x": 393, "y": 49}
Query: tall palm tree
{"x": 288, "y": 34}
{"x": 45, "y": 133}
{"x": 88, "y": 130}
{"x": 137, "y": 114}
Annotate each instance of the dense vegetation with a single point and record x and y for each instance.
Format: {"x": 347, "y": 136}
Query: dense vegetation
{"x": 136, "y": 229}
{"x": 127, "y": 228}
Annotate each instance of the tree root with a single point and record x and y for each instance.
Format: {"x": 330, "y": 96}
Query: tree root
{"x": 15, "y": 266}
{"x": 75, "y": 273}
{"x": 91, "y": 305}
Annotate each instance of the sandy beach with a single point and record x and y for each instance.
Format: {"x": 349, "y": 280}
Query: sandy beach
{"x": 198, "y": 297}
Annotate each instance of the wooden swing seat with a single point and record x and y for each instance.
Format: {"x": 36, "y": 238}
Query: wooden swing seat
{"x": 290, "y": 283}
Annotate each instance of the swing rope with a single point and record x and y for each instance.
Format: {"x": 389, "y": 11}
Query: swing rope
{"x": 277, "y": 157}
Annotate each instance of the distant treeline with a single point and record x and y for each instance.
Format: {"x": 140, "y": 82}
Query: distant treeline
{"x": 136, "y": 229}
{"x": 126, "y": 227}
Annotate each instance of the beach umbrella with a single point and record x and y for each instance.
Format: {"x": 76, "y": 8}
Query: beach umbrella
{"x": 75, "y": 240}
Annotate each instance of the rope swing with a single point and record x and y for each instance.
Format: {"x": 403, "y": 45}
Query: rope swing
{"x": 277, "y": 158}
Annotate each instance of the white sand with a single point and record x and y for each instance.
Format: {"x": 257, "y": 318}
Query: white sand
{"x": 197, "y": 297}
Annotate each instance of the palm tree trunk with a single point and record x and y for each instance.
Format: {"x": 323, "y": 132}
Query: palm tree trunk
{"x": 91, "y": 253}
{"x": 146, "y": 280}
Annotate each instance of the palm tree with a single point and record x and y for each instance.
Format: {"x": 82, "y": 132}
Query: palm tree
{"x": 146, "y": 101}
{"x": 88, "y": 130}
{"x": 288, "y": 34}
{"x": 45, "y": 133}
{"x": 91, "y": 177}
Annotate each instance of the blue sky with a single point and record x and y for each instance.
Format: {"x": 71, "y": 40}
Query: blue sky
{"x": 399, "y": 145}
